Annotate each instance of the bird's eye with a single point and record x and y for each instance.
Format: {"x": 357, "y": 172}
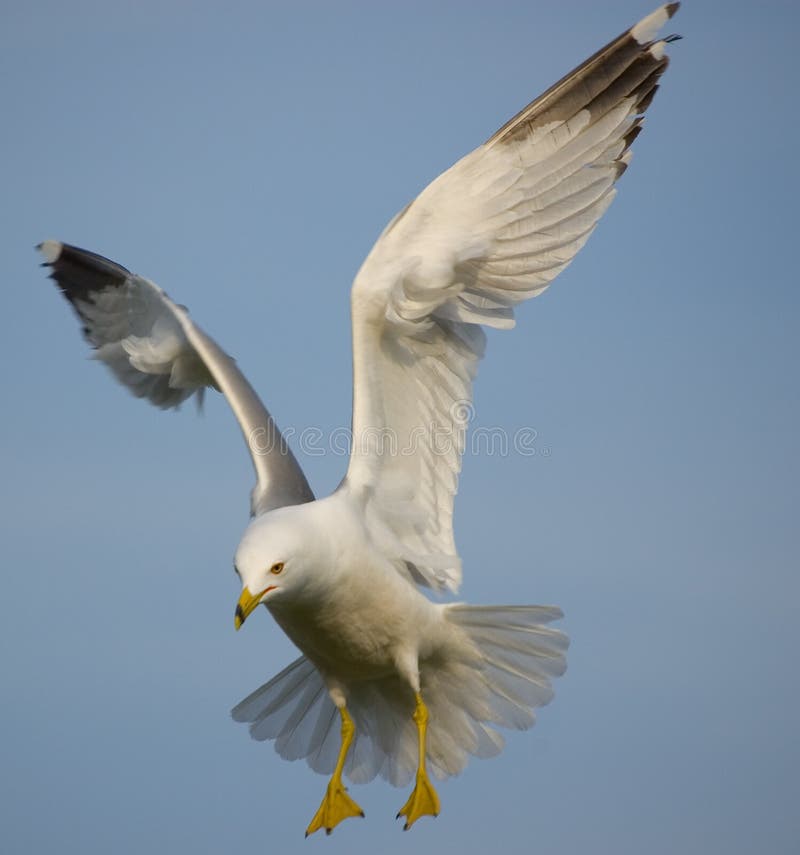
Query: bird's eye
{"x": 276, "y": 568}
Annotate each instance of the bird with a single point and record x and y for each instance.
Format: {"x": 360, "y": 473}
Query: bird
{"x": 363, "y": 580}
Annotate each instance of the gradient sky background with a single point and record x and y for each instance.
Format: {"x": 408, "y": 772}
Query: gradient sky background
{"x": 246, "y": 160}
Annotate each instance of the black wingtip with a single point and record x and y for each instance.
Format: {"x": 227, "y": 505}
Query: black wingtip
{"x": 78, "y": 272}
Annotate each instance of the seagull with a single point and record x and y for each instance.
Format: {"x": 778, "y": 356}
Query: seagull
{"x": 417, "y": 684}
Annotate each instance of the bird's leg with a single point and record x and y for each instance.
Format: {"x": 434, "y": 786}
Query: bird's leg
{"x": 337, "y": 805}
{"x": 423, "y": 800}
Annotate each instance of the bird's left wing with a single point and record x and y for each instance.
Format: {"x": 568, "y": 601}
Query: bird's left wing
{"x": 493, "y": 230}
{"x": 154, "y": 349}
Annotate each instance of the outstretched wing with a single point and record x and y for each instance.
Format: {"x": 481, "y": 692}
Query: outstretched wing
{"x": 154, "y": 348}
{"x": 493, "y": 230}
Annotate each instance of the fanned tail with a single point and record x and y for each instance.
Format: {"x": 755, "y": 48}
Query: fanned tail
{"x": 499, "y": 671}
{"x": 520, "y": 655}
{"x": 505, "y": 672}
{"x": 294, "y": 709}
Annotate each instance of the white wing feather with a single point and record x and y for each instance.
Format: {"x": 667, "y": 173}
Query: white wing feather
{"x": 493, "y": 230}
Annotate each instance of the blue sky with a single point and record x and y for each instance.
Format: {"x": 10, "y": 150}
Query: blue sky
{"x": 246, "y": 158}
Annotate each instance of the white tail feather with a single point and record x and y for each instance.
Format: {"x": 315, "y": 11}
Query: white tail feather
{"x": 505, "y": 672}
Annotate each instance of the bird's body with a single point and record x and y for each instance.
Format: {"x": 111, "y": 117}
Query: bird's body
{"x": 374, "y": 639}
{"x": 415, "y": 684}
{"x": 356, "y": 617}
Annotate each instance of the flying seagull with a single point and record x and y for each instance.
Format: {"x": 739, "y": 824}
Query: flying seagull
{"x": 417, "y": 685}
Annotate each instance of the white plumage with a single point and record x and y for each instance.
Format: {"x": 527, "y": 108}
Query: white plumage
{"x": 372, "y": 636}
{"x": 519, "y": 655}
{"x": 341, "y": 575}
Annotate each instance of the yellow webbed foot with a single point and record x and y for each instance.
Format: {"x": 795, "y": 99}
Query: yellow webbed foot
{"x": 335, "y": 807}
{"x": 423, "y": 801}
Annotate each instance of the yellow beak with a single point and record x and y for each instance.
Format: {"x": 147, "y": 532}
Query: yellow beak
{"x": 247, "y": 602}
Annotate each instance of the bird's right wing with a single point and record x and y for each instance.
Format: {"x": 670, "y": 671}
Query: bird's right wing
{"x": 154, "y": 349}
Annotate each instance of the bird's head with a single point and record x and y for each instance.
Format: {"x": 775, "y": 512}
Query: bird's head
{"x": 274, "y": 560}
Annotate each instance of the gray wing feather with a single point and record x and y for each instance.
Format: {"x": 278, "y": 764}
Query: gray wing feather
{"x": 153, "y": 348}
